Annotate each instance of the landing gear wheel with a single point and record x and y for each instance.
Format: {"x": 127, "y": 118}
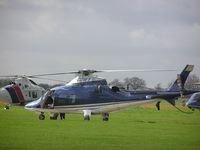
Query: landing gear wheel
{"x": 87, "y": 117}
{"x": 105, "y": 116}
{"x": 42, "y": 116}
{"x": 6, "y": 107}
{"x": 54, "y": 116}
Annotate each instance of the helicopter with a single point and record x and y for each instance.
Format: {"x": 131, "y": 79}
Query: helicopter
{"x": 20, "y": 91}
{"x": 89, "y": 94}
{"x": 194, "y": 101}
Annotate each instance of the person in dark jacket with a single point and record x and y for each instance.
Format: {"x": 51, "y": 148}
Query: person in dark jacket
{"x": 62, "y": 116}
{"x": 158, "y": 105}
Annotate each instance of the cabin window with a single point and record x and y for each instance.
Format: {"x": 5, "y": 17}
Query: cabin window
{"x": 65, "y": 100}
{"x": 34, "y": 94}
{"x": 29, "y": 94}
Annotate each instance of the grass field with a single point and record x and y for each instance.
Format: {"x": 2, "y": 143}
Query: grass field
{"x": 135, "y": 128}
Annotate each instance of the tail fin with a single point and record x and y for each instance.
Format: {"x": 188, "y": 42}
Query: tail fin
{"x": 179, "y": 83}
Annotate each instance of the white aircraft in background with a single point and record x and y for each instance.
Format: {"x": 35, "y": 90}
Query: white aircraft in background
{"x": 21, "y": 91}
{"x": 194, "y": 101}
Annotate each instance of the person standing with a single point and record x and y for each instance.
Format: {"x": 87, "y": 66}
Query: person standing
{"x": 62, "y": 116}
{"x": 158, "y": 105}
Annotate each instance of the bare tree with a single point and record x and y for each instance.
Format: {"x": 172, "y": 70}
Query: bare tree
{"x": 134, "y": 83}
{"x": 158, "y": 86}
{"x": 117, "y": 83}
{"x": 191, "y": 82}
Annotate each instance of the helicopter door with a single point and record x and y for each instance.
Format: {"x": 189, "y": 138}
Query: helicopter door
{"x": 49, "y": 103}
{"x": 47, "y": 100}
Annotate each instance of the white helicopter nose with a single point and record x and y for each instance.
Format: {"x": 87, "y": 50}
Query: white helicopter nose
{"x": 5, "y": 96}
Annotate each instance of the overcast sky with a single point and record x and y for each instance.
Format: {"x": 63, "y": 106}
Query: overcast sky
{"x": 45, "y": 36}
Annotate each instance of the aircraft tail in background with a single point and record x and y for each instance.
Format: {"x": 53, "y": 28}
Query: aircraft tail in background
{"x": 179, "y": 83}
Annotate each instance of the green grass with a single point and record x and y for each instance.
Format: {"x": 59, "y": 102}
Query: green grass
{"x": 134, "y": 128}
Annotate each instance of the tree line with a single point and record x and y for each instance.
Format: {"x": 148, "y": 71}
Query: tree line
{"x": 134, "y": 83}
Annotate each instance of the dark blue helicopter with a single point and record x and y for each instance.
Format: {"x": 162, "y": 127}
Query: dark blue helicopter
{"x": 89, "y": 94}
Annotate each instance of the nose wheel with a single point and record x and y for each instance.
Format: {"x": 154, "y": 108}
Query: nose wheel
{"x": 42, "y": 116}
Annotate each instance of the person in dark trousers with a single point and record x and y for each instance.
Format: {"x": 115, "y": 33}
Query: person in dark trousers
{"x": 158, "y": 105}
{"x": 62, "y": 116}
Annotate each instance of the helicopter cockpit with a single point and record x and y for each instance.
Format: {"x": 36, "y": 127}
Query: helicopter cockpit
{"x": 47, "y": 99}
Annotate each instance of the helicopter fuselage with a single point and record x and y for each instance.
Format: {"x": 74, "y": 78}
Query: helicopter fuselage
{"x": 89, "y": 94}
{"x": 95, "y": 96}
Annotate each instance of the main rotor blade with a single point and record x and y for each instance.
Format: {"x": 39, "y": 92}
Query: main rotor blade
{"x": 52, "y": 74}
{"x": 83, "y": 71}
{"x": 48, "y": 79}
{"x": 88, "y": 71}
{"x": 139, "y": 70}
{"x": 9, "y": 76}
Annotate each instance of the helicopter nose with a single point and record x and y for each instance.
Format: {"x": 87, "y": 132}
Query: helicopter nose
{"x": 5, "y": 96}
{"x": 34, "y": 104}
